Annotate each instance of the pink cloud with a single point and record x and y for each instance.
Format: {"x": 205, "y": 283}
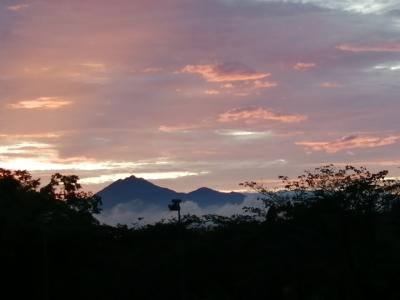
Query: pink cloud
{"x": 226, "y": 72}
{"x": 183, "y": 128}
{"x": 302, "y": 66}
{"x": 351, "y": 142}
{"x": 257, "y": 114}
{"x": 395, "y": 47}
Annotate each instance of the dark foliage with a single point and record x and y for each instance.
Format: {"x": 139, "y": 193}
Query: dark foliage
{"x": 332, "y": 234}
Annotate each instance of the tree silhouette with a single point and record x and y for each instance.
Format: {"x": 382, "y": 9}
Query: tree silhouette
{"x": 349, "y": 189}
{"x": 331, "y": 233}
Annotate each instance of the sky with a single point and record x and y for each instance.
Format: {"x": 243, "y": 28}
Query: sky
{"x": 190, "y": 93}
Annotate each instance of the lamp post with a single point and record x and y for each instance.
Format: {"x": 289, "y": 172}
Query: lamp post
{"x": 176, "y": 206}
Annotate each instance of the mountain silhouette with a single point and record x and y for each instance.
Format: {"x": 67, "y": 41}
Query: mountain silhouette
{"x": 133, "y": 188}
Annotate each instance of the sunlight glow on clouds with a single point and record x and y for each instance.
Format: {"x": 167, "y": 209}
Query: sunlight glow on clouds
{"x": 394, "y": 66}
{"x": 41, "y": 103}
{"x": 35, "y": 156}
{"x": 42, "y": 163}
{"x": 245, "y": 135}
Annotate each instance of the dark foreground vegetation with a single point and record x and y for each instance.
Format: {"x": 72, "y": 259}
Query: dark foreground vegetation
{"x": 333, "y": 234}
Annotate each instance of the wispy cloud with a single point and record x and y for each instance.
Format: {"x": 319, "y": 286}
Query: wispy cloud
{"x": 23, "y": 148}
{"x": 263, "y": 84}
{"x": 94, "y": 66}
{"x": 304, "y": 66}
{"x": 18, "y": 7}
{"x": 246, "y": 115}
{"x": 46, "y": 135}
{"x": 41, "y": 103}
{"x": 387, "y": 47}
{"x": 153, "y": 70}
{"x": 351, "y": 142}
{"x": 330, "y": 85}
{"x": 353, "y": 6}
{"x": 90, "y": 72}
{"x": 211, "y": 92}
{"x": 246, "y": 88}
{"x": 183, "y": 128}
{"x": 258, "y": 114}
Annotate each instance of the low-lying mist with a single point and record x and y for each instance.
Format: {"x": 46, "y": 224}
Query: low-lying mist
{"x": 137, "y": 213}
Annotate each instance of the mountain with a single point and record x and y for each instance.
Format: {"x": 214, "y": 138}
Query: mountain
{"x": 205, "y": 197}
{"x": 133, "y": 188}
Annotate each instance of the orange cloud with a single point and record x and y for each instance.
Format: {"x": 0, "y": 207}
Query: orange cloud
{"x": 256, "y": 114}
{"x": 351, "y": 142}
{"x": 379, "y": 48}
{"x": 41, "y": 103}
{"x": 226, "y": 72}
{"x": 302, "y": 66}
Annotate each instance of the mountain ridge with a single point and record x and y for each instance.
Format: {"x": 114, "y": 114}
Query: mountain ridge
{"x": 135, "y": 188}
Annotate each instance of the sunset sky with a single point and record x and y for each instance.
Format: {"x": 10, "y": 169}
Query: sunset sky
{"x": 190, "y": 93}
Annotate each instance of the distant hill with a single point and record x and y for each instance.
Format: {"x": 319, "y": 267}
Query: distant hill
{"x": 133, "y": 188}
